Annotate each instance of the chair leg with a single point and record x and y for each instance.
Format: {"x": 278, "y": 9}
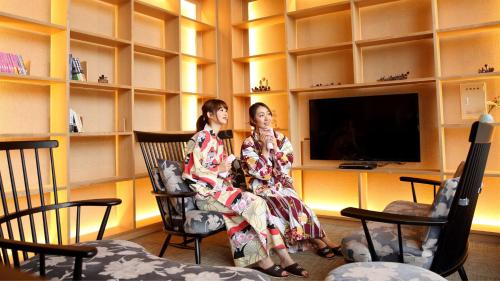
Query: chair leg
{"x": 197, "y": 250}
{"x": 463, "y": 275}
{"x": 165, "y": 245}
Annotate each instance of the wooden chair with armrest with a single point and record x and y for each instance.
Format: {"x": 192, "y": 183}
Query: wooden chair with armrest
{"x": 431, "y": 236}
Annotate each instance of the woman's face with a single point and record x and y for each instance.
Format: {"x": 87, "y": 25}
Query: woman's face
{"x": 263, "y": 118}
{"x": 220, "y": 117}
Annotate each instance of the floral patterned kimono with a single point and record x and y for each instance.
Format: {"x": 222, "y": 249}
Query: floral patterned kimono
{"x": 248, "y": 221}
{"x": 271, "y": 181}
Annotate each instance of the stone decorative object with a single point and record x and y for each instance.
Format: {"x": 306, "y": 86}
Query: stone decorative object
{"x": 102, "y": 79}
{"x": 402, "y": 76}
{"x": 263, "y": 86}
{"x": 486, "y": 69}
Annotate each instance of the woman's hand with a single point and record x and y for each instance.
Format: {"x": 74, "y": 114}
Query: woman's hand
{"x": 224, "y": 166}
{"x": 267, "y": 136}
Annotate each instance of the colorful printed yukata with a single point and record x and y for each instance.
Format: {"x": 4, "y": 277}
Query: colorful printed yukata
{"x": 248, "y": 221}
{"x": 270, "y": 179}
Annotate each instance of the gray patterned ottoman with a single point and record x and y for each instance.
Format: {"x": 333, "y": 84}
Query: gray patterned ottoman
{"x": 386, "y": 271}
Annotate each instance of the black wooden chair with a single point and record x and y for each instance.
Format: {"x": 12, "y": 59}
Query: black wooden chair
{"x": 22, "y": 237}
{"x": 176, "y": 206}
{"x": 396, "y": 234}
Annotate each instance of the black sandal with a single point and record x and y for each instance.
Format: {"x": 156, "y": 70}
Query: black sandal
{"x": 337, "y": 251}
{"x": 297, "y": 270}
{"x": 274, "y": 271}
{"x": 325, "y": 251}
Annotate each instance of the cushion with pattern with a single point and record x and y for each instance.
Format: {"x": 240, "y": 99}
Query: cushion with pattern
{"x": 171, "y": 177}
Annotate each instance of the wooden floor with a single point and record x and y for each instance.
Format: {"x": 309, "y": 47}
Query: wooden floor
{"x": 483, "y": 262}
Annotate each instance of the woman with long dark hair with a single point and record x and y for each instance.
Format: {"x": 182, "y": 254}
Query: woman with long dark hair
{"x": 249, "y": 225}
{"x": 267, "y": 156}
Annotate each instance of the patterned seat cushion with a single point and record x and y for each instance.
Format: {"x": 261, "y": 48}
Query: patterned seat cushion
{"x": 385, "y": 238}
{"x": 125, "y": 260}
{"x": 387, "y": 271}
{"x": 202, "y": 222}
{"x": 171, "y": 177}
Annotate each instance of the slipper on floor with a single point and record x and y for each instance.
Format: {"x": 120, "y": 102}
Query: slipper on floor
{"x": 274, "y": 271}
{"x": 296, "y": 270}
{"x": 326, "y": 252}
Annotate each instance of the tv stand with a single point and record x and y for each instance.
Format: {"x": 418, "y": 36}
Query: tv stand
{"x": 358, "y": 165}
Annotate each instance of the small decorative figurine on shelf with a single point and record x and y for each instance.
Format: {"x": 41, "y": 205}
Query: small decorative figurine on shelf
{"x": 262, "y": 87}
{"x": 325, "y": 85}
{"x": 402, "y": 76}
{"x": 102, "y": 79}
{"x": 485, "y": 69}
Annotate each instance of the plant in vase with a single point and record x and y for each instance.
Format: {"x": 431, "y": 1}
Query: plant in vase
{"x": 494, "y": 103}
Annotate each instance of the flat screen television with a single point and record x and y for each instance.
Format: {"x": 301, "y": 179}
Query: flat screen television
{"x": 368, "y": 128}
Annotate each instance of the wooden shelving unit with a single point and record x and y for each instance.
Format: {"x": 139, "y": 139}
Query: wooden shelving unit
{"x": 141, "y": 47}
{"x": 340, "y": 48}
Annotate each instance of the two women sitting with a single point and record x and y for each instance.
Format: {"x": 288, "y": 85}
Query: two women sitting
{"x": 256, "y": 222}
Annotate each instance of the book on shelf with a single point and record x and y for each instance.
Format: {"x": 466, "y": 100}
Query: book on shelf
{"x": 77, "y": 72}
{"x": 12, "y": 63}
{"x": 75, "y": 122}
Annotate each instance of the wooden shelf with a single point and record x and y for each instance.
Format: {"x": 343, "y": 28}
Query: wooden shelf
{"x": 365, "y": 3}
{"x": 30, "y": 79}
{"x": 153, "y": 11}
{"x": 268, "y": 56}
{"x": 395, "y": 39}
{"x": 463, "y": 125}
{"x": 266, "y": 93}
{"x": 30, "y": 25}
{"x": 98, "y": 134}
{"x": 242, "y": 131}
{"x": 366, "y": 85}
{"x": 197, "y": 59}
{"x": 81, "y": 184}
{"x": 468, "y": 29}
{"x": 321, "y": 49}
{"x": 474, "y": 77}
{"x": 32, "y": 135}
{"x": 195, "y": 24}
{"x": 486, "y": 173}
{"x": 46, "y": 189}
{"x": 199, "y": 95}
{"x": 153, "y": 91}
{"x": 154, "y": 51}
{"x": 98, "y": 86}
{"x": 98, "y": 39}
{"x": 270, "y": 20}
{"x": 321, "y": 10}
{"x": 385, "y": 170}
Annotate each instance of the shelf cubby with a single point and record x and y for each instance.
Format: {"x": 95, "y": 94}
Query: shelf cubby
{"x": 464, "y": 55}
{"x": 324, "y": 68}
{"x": 394, "y": 59}
{"x": 156, "y": 72}
{"x": 297, "y": 9}
{"x": 147, "y": 208}
{"x": 155, "y": 33}
{"x": 167, "y": 11}
{"x": 102, "y": 19}
{"x": 120, "y": 218}
{"x": 13, "y": 21}
{"x": 459, "y": 13}
{"x": 393, "y": 18}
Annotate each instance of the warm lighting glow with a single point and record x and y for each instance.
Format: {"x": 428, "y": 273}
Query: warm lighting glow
{"x": 189, "y": 78}
{"x": 158, "y": 3}
{"x": 189, "y": 112}
{"x": 92, "y": 229}
{"x": 486, "y": 221}
{"x": 325, "y": 206}
{"x": 188, "y": 9}
{"x": 145, "y": 216}
{"x": 188, "y": 40}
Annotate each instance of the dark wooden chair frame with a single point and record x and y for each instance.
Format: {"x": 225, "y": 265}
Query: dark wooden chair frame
{"x": 34, "y": 246}
{"x": 452, "y": 248}
{"x": 172, "y": 147}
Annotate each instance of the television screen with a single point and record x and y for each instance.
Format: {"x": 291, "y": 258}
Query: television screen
{"x": 368, "y": 128}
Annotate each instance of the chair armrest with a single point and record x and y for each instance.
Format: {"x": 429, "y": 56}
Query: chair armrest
{"x": 419, "y": 180}
{"x": 174, "y": 195}
{"x": 49, "y": 249}
{"x": 391, "y": 218}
